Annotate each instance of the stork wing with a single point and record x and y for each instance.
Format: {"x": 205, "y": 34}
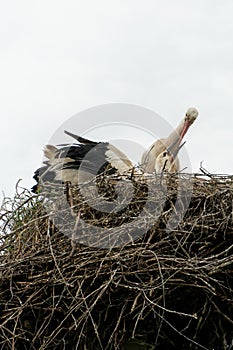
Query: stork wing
{"x": 80, "y": 139}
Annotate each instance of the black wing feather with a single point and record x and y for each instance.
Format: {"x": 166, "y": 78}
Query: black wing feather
{"x": 80, "y": 139}
{"x": 90, "y": 156}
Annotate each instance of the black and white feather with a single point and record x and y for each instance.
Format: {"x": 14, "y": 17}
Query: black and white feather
{"x": 80, "y": 162}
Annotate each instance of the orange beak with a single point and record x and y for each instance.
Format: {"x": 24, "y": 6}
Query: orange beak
{"x": 185, "y": 129}
{"x": 175, "y": 148}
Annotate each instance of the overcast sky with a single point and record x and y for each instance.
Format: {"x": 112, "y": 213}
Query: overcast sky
{"x": 61, "y": 57}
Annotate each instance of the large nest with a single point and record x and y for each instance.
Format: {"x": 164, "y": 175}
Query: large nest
{"x": 163, "y": 282}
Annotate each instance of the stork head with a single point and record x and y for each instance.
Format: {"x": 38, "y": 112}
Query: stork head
{"x": 191, "y": 115}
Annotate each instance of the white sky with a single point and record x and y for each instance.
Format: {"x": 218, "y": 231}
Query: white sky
{"x": 61, "y": 57}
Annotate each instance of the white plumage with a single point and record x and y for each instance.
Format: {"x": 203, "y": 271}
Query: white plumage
{"x": 154, "y": 159}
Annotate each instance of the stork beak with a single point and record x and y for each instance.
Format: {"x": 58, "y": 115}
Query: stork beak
{"x": 175, "y": 148}
{"x": 178, "y": 149}
{"x": 185, "y": 129}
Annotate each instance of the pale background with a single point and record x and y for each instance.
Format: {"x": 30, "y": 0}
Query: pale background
{"x": 61, "y": 57}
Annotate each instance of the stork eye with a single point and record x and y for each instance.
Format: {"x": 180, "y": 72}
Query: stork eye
{"x": 164, "y": 154}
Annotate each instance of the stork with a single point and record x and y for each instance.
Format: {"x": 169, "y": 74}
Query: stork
{"x": 79, "y": 162}
{"x": 162, "y": 154}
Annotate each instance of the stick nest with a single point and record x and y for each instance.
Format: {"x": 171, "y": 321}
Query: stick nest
{"x": 154, "y": 274}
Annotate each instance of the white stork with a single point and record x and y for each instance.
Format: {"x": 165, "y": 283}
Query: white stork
{"x": 162, "y": 154}
{"x": 79, "y": 162}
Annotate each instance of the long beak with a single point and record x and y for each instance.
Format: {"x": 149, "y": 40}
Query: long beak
{"x": 185, "y": 129}
{"x": 175, "y": 148}
{"x": 179, "y": 148}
